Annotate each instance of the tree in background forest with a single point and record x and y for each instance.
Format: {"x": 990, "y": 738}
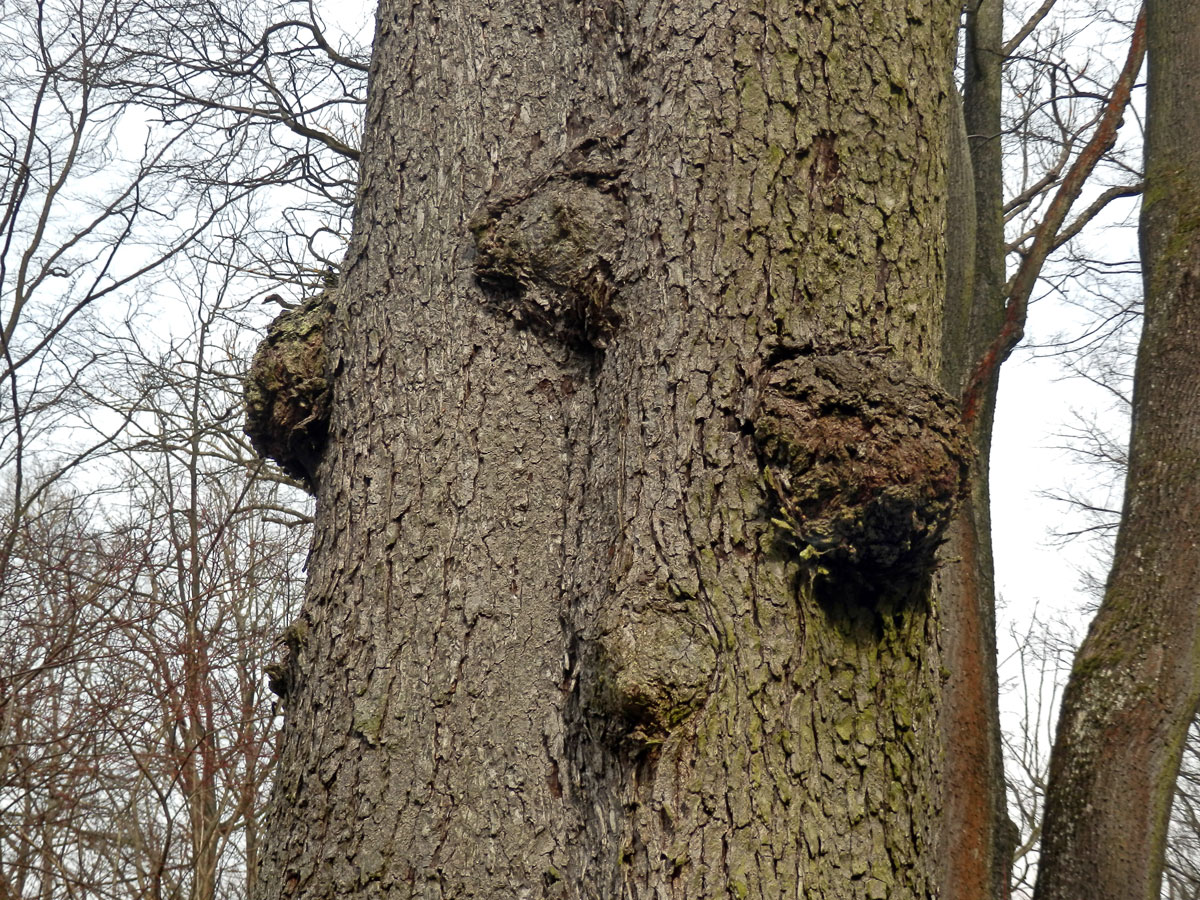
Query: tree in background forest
{"x": 133, "y": 647}
{"x": 1135, "y": 685}
{"x": 148, "y": 560}
{"x": 135, "y": 626}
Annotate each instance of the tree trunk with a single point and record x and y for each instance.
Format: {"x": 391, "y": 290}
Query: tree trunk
{"x": 622, "y": 582}
{"x": 977, "y": 837}
{"x": 1136, "y": 681}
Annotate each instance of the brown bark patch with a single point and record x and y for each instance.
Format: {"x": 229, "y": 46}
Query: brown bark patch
{"x": 865, "y": 460}
{"x": 288, "y": 390}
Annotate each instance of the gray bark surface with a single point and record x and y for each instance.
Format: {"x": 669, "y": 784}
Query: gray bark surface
{"x": 589, "y": 613}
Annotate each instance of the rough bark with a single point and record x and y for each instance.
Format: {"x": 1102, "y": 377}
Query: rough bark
{"x": 1135, "y": 684}
{"x": 636, "y": 463}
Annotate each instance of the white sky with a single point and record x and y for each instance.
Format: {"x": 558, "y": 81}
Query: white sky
{"x": 1033, "y": 568}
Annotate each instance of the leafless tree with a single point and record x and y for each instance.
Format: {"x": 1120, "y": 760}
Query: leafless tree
{"x": 137, "y": 724}
{"x": 277, "y": 96}
{"x": 138, "y": 612}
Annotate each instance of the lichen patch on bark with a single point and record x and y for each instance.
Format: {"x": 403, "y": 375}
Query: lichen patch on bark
{"x": 288, "y": 390}
{"x": 865, "y": 460}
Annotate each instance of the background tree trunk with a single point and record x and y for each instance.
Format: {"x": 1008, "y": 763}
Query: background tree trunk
{"x": 622, "y": 577}
{"x": 1136, "y": 680}
{"x": 977, "y": 837}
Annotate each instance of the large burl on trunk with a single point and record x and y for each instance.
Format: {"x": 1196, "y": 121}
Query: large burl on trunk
{"x": 635, "y": 468}
{"x": 865, "y": 461}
